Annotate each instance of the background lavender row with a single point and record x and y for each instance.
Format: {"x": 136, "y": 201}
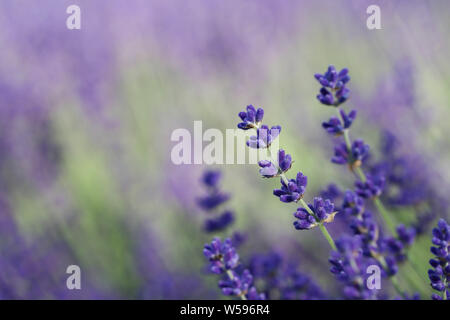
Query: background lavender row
{"x": 86, "y": 116}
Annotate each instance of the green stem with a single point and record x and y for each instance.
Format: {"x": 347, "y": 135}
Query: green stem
{"x": 321, "y": 226}
{"x": 360, "y": 174}
{"x": 385, "y": 215}
{"x": 231, "y": 276}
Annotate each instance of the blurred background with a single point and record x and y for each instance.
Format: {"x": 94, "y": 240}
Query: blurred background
{"x": 86, "y": 117}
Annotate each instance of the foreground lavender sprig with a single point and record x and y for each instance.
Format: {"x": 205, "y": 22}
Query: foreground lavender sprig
{"x": 440, "y": 274}
{"x": 292, "y": 190}
{"x": 224, "y": 260}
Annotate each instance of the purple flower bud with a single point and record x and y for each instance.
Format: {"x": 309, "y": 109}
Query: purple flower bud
{"x": 334, "y": 81}
{"x": 250, "y": 118}
{"x": 294, "y": 190}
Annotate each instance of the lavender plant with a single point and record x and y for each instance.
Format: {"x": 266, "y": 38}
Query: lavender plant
{"x": 367, "y": 243}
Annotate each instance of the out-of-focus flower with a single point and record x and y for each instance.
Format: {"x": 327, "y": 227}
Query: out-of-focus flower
{"x": 211, "y": 178}
{"x": 220, "y": 222}
{"x": 331, "y": 192}
{"x": 353, "y": 205}
{"x": 349, "y": 266}
{"x": 294, "y": 190}
{"x": 322, "y": 210}
{"x": 371, "y": 188}
{"x": 277, "y": 279}
{"x": 212, "y": 201}
{"x": 358, "y": 153}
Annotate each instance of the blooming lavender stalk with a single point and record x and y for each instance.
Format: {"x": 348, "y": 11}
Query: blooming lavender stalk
{"x": 334, "y": 93}
{"x": 440, "y": 274}
{"x": 224, "y": 260}
{"x": 292, "y": 190}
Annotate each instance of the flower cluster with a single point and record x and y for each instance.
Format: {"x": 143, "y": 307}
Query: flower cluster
{"x": 398, "y": 246}
{"x": 322, "y": 211}
{"x": 440, "y": 274}
{"x": 349, "y": 266}
{"x": 359, "y": 151}
{"x": 335, "y": 126}
{"x": 371, "y": 188}
{"x": 213, "y": 200}
{"x": 293, "y": 190}
{"x": 251, "y": 118}
{"x": 333, "y": 91}
{"x": 270, "y": 170}
{"x": 224, "y": 260}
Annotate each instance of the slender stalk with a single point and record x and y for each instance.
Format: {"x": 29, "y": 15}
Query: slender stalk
{"x": 386, "y": 217}
{"x": 321, "y": 226}
{"x": 231, "y": 276}
{"x": 305, "y": 205}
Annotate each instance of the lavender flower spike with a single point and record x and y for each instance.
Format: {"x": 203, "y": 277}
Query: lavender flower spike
{"x": 293, "y": 190}
{"x": 440, "y": 274}
{"x": 270, "y": 170}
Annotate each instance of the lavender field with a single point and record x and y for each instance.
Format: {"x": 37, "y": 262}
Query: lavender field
{"x": 349, "y": 201}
